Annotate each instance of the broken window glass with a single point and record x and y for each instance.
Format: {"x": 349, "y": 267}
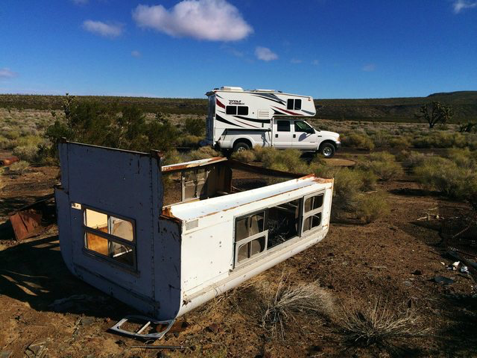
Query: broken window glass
{"x": 283, "y": 222}
{"x": 250, "y": 236}
{"x": 312, "y": 212}
{"x": 109, "y": 236}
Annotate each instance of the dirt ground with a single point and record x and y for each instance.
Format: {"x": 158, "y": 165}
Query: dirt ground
{"x": 45, "y": 311}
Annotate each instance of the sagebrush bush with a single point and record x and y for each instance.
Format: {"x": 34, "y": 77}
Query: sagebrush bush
{"x": 358, "y": 141}
{"x": 383, "y": 165}
{"x": 447, "y": 177}
{"x": 5, "y": 143}
{"x": 203, "y": 153}
{"x": 28, "y": 153}
{"x": 245, "y": 156}
{"x": 370, "y": 207}
{"x": 19, "y": 167}
{"x": 195, "y": 127}
{"x": 172, "y": 157}
{"x": 189, "y": 141}
{"x": 400, "y": 142}
{"x": 441, "y": 139}
{"x": 411, "y": 159}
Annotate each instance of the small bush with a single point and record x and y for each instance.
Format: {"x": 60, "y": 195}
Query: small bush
{"x": 172, "y": 157}
{"x": 203, "y": 153}
{"x": 400, "y": 142}
{"x": 4, "y": 143}
{"x": 195, "y": 127}
{"x": 383, "y": 165}
{"x": 370, "y": 207}
{"x": 189, "y": 141}
{"x": 28, "y": 153}
{"x": 412, "y": 159}
{"x": 281, "y": 306}
{"x": 245, "y": 156}
{"x": 447, "y": 177}
{"x": 378, "y": 324}
{"x": 358, "y": 141}
{"x": 441, "y": 140}
{"x": 19, "y": 167}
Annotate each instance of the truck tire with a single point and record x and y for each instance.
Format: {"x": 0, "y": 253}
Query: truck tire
{"x": 241, "y": 146}
{"x": 327, "y": 150}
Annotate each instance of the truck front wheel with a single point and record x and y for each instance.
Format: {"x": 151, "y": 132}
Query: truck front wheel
{"x": 327, "y": 150}
{"x": 241, "y": 146}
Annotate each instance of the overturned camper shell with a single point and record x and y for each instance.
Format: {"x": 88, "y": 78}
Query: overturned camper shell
{"x": 116, "y": 235}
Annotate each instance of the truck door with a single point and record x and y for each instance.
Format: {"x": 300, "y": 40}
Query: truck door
{"x": 304, "y": 136}
{"x": 282, "y": 133}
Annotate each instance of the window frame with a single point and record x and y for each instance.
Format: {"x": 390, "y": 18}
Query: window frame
{"x": 292, "y": 104}
{"x": 289, "y": 125}
{"x": 247, "y": 110}
{"x": 231, "y": 114}
{"x": 247, "y": 240}
{"x": 306, "y": 215}
{"x": 111, "y": 238}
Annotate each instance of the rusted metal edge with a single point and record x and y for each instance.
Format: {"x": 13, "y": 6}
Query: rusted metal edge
{"x": 194, "y": 164}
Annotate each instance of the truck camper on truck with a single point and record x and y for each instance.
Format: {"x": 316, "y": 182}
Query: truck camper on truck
{"x": 241, "y": 119}
{"x": 164, "y": 239}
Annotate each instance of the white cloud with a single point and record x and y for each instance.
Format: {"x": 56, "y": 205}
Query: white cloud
{"x": 315, "y": 62}
{"x": 212, "y": 20}
{"x": 265, "y": 54}
{"x": 7, "y": 73}
{"x": 102, "y": 28}
{"x": 296, "y": 60}
{"x": 136, "y": 53}
{"x": 460, "y": 5}
{"x": 370, "y": 67}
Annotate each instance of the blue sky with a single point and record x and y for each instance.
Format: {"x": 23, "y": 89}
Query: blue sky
{"x": 165, "y": 48}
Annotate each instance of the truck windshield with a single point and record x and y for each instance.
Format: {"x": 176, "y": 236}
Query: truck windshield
{"x": 302, "y": 127}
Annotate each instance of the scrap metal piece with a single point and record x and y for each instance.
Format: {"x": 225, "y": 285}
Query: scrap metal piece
{"x": 139, "y": 334}
{"x": 33, "y": 219}
{"x": 9, "y": 161}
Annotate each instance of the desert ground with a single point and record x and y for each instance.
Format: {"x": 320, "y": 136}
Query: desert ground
{"x": 390, "y": 264}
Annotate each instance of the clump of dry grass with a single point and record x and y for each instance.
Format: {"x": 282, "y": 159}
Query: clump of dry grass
{"x": 19, "y": 167}
{"x": 203, "y": 153}
{"x": 378, "y": 324}
{"x": 288, "y": 301}
{"x": 244, "y": 156}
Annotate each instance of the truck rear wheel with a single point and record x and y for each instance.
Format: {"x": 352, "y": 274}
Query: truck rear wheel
{"x": 241, "y": 146}
{"x": 327, "y": 150}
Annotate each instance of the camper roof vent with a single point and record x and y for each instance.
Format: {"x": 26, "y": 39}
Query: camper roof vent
{"x": 230, "y": 88}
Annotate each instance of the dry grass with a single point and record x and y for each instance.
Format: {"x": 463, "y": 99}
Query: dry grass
{"x": 288, "y": 301}
{"x": 378, "y": 324}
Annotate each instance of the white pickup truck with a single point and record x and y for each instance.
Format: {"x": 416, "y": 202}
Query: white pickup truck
{"x": 239, "y": 120}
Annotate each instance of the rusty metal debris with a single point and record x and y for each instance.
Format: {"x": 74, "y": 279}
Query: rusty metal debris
{"x": 8, "y": 161}
{"x": 147, "y": 325}
{"x": 34, "y": 219}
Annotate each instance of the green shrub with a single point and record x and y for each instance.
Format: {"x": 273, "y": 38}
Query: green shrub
{"x": 412, "y": 159}
{"x": 370, "y": 207}
{"x": 348, "y": 184}
{"x": 172, "y": 157}
{"x": 28, "y": 153}
{"x": 447, "y": 177}
{"x": 19, "y": 167}
{"x": 195, "y": 127}
{"x": 203, "y": 153}
{"x": 380, "y": 138}
{"x": 358, "y": 141}
{"x": 400, "y": 142}
{"x": 188, "y": 141}
{"x": 4, "y": 143}
{"x": 383, "y": 165}
{"x": 441, "y": 140}
{"x": 245, "y": 156}
{"x": 29, "y": 140}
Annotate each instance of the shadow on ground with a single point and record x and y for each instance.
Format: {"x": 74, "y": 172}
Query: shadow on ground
{"x": 34, "y": 272}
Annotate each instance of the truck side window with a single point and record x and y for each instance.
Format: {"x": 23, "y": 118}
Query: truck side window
{"x": 231, "y": 110}
{"x": 283, "y": 126}
{"x": 294, "y": 104}
{"x": 243, "y": 110}
{"x": 302, "y": 127}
